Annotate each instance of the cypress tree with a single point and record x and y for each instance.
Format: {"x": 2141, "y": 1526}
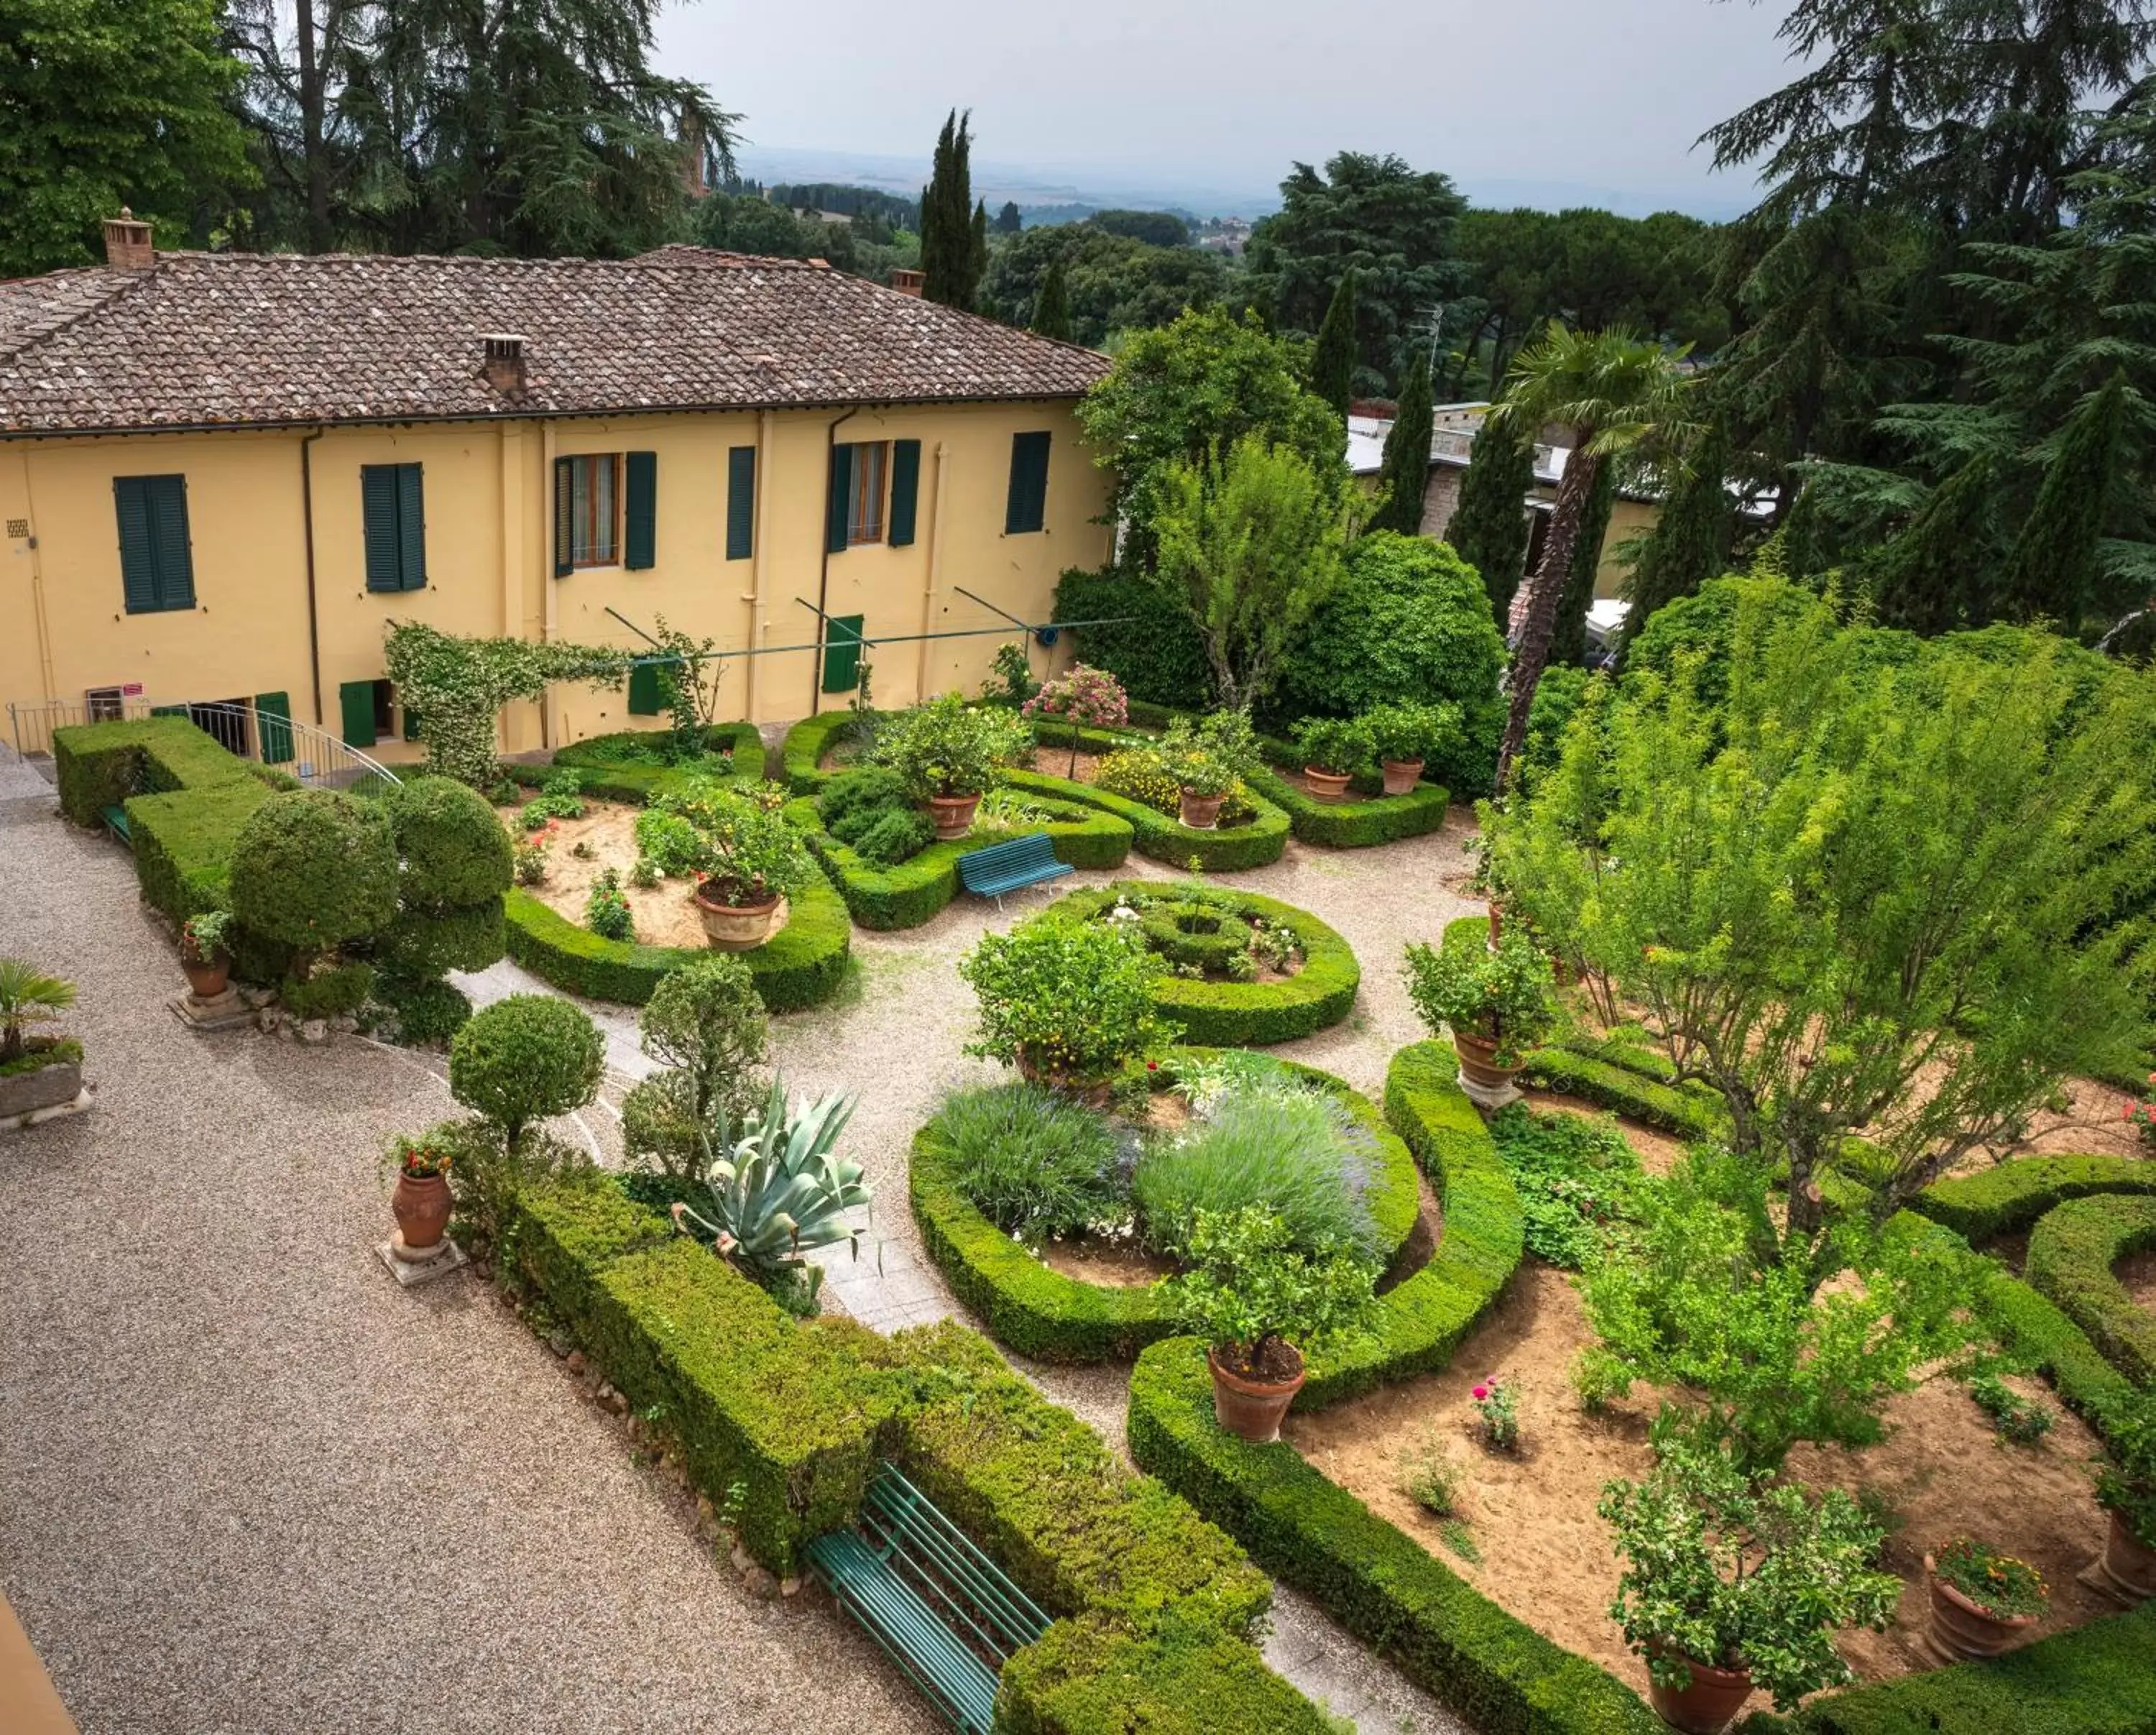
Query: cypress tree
{"x": 1690, "y": 542}
{"x": 1925, "y": 578}
{"x": 953, "y": 232}
{"x": 977, "y": 254}
{"x": 1405, "y": 476}
{"x": 1051, "y": 308}
{"x": 1490, "y": 527}
{"x": 2051, "y": 570}
{"x": 1568, "y": 639}
{"x": 1332, "y": 363}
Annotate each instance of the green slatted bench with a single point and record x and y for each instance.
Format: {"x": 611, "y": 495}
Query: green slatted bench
{"x": 115, "y": 822}
{"x": 939, "y": 1607}
{"x": 1007, "y": 867}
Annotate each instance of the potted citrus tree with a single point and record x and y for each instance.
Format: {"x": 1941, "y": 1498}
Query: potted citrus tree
{"x": 1209, "y": 760}
{"x": 1332, "y": 750}
{"x": 421, "y": 1202}
{"x": 1983, "y": 1601}
{"x": 949, "y": 754}
{"x": 1260, "y": 1302}
{"x": 1732, "y": 1583}
{"x": 2126, "y": 1488}
{"x": 1067, "y": 1003}
{"x": 36, "y": 1073}
{"x": 203, "y": 955}
{"x": 746, "y": 857}
{"x": 1406, "y": 736}
{"x": 1496, "y": 1002}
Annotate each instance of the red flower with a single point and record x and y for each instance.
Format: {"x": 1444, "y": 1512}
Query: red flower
{"x": 1481, "y": 1393}
{"x": 1153, "y": 1066}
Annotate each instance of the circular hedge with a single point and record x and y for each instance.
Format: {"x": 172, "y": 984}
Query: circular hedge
{"x": 314, "y": 869}
{"x": 454, "y": 850}
{"x": 1232, "y": 1014}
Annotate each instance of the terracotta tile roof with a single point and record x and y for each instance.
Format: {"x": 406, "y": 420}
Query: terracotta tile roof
{"x": 241, "y": 339}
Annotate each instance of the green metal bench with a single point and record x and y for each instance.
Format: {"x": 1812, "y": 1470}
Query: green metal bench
{"x": 115, "y": 822}
{"x": 1006, "y": 867}
{"x": 938, "y": 1606}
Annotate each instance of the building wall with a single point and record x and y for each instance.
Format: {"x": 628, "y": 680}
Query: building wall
{"x": 488, "y": 490}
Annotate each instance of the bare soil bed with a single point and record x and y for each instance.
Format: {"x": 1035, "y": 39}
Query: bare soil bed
{"x": 664, "y": 914}
{"x": 1111, "y": 1262}
{"x": 2138, "y": 1272}
{"x": 1547, "y": 1558}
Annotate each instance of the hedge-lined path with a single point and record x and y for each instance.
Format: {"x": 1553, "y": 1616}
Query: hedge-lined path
{"x": 249, "y": 1484}
{"x": 895, "y": 1038}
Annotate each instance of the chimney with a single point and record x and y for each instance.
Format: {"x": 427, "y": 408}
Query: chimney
{"x": 905, "y": 282}
{"x": 127, "y": 244}
{"x": 505, "y": 361}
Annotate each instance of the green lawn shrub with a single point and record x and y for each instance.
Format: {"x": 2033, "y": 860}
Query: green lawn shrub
{"x": 2011, "y": 1196}
{"x": 639, "y": 750}
{"x": 524, "y": 1059}
{"x": 1162, "y": 839}
{"x": 2072, "y": 1251}
{"x": 453, "y": 851}
{"x": 314, "y": 869}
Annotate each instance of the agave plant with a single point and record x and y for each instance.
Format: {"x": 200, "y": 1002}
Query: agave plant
{"x": 776, "y": 1189}
{"x": 27, "y": 996}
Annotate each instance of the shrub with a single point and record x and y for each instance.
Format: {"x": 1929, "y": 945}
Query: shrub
{"x": 747, "y": 853}
{"x": 946, "y": 748}
{"x": 898, "y": 836}
{"x": 1212, "y": 756}
{"x": 28, "y": 996}
{"x": 524, "y": 1059}
{"x": 1069, "y": 1003}
{"x": 1142, "y": 775}
{"x": 854, "y": 801}
{"x": 1575, "y": 1176}
{"x": 1339, "y": 746}
{"x": 1431, "y": 1477}
{"x": 1504, "y": 996}
{"x": 606, "y": 910}
{"x": 427, "y": 1013}
{"x": 1405, "y": 732}
{"x": 528, "y": 859}
{"x": 1035, "y": 1164}
{"x": 329, "y": 990}
{"x": 314, "y": 870}
{"x": 2126, "y": 1485}
{"x": 1146, "y": 640}
{"x": 1084, "y": 698}
{"x": 454, "y": 849}
{"x": 705, "y": 1025}
{"x": 2072, "y": 1252}
{"x": 2017, "y": 1419}
{"x": 421, "y": 946}
{"x": 1410, "y": 622}
{"x": 1258, "y": 1300}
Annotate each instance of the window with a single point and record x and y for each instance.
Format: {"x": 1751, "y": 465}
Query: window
{"x": 864, "y": 499}
{"x": 157, "y": 562}
{"x": 588, "y": 511}
{"x": 393, "y": 522}
{"x": 740, "y": 502}
{"x": 103, "y": 705}
{"x": 1026, "y": 508}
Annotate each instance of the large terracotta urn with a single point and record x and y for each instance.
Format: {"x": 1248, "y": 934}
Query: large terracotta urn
{"x": 1402, "y": 775}
{"x": 1706, "y": 1704}
{"x": 1201, "y": 813}
{"x": 1250, "y": 1409}
{"x": 735, "y": 927}
{"x": 1330, "y": 787}
{"x": 2128, "y": 1564}
{"x": 421, "y": 1204}
{"x": 1960, "y": 1629}
{"x": 953, "y": 815}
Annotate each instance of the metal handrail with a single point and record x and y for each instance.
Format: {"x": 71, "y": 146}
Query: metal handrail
{"x": 312, "y": 755}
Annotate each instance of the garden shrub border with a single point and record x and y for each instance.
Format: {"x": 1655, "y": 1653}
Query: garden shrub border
{"x": 1242, "y": 1015}
{"x": 1229, "y": 850}
{"x": 2072, "y": 1250}
{"x": 1155, "y": 1605}
{"x": 801, "y": 965}
{"x": 805, "y": 743}
{"x": 2013, "y": 1195}
{"x": 915, "y": 889}
{"x": 744, "y": 741}
{"x": 1041, "y": 1313}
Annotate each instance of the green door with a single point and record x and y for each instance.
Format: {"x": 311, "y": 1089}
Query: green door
{"x": 842, "y": 653}
{"x": 272, "y": 726}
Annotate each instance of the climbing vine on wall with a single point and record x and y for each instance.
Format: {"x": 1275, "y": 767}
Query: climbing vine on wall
{"x": 456, "y": 687}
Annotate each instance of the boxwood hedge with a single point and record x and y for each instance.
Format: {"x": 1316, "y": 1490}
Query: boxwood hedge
{"x": 1041, "y": 1312}
{"x": 914, "y": 890}
{"x": 1243, "y": 1014}
{"x": 806, "y": 742}
{"x": 743, "y": 740}
{"x": 2012, "y": 1196}
{"x": 1225, "y": 851}
{"x": 2072, "y": 1251}
{"x": 801, "y": 965}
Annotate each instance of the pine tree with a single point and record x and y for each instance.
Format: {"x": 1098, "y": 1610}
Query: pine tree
{"x": 1927, "y": 577}
{"x": 1568, "y": 637}
{"x": 1404, "y": 477}
{"x": 954, "y": 244}
{"x": 1690, "y": 543}
{"x": 1051, "y": 309}
{"x": 1490, "y": 527}
{"x": 2052, "y": 569}
{"x": 1332, "y": 363}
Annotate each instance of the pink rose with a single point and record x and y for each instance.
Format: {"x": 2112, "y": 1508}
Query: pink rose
{"x": 1481, "y": 1393}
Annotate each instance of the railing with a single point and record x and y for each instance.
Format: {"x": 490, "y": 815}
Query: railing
{"x": 313, "y": 755}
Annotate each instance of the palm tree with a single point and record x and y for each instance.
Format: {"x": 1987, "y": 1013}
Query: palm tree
{"x": 1617, "y": 394}
{"x": 26, "y": 997}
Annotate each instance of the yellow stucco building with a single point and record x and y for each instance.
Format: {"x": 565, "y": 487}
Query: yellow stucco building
{"x": 222, "y": 476}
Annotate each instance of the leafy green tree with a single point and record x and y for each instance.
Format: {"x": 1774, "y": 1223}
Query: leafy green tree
{"x": 1051, "y": 309}
{"x": 1690, "y": 542}
{"x": 953, "y": 226}
{"x": 1394, "y": 226}
{"x": 1008, "y": 220}
{"x": 742, "y": 224}
{"x": 112, "y": 103}
{"x": 1489, "y": 525}
{"x": 1114, "y": 284}
{"x": 1156, "y": 228}
{"x": 1250, "y": 540}
{"x": 1333, "y": 362}
{"x": 1404, "y": 476}
{"x": 1616, "y": 393}
{"x": 1569, "y": 637}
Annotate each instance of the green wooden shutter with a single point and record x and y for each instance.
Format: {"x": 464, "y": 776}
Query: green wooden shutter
{"x": 640, "y": 539}
{"x": 156, "y": 567}
{"x": 411, "y": 528}
{"x": 842, "y": 653}
{"x": 138, "y": 559}
{"x": 905, "y": 489}
{"x": 645, "y": 696}
{"x": 377, "y": 523}
{"x": 272, "y": 726}
{"x": 740, "y": 502}
{"x": 565, "y": 518}
{"x": 839, "y": 506}
{"x": 1025, "y": 508}
{"x": 355, "y": 701}
{"x": 168, "y": 529}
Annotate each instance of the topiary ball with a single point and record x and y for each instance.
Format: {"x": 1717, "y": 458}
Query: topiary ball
{"x": 524, "y": 1058}
{"x": 453, "y": 848}
{"x": 315, "y": 869}
{"x": 422, "y": 944}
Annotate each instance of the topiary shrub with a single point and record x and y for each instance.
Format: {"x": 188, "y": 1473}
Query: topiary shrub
{"x": 899, "y": 835}
{"x": 524, "y": 1059}
{"x": 423, "y": 946}
{"x": 328, "y": 991}
{"x": 1410, "y": 621}
{"x": 314, "y": 870}
{"x": 453, "y": 848}
{"x": 426, "y": 1014}
{"x": 705, "y": 1025}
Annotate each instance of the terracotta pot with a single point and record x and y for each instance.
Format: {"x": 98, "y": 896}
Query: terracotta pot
{"x": 735, "y": 927}
{"x": 953, "y": 815}
{"x": 1402, "y": 775}
{"x": 1708, "y": 1704}
{"x": 1478, "y": 1059}
{"x": 2128, "y": 1564}
{"x": 1201, "y": 813}
{"x": 422, "y": 1206}
{"x": 1325, "y": 785}
{"x": 208, "y": 981}
{"x": 1251, "y": 1408}
{"x": 1960, "y": 1629}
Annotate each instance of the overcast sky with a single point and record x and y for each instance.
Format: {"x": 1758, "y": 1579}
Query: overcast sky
{"x": 1602, "y": 96}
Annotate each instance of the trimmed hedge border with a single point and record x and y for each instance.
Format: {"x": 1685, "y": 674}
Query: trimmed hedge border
{"x": 801, "y": 965}
{"x": 1229, "y": 850}
{"x": 806, "y": 742}
{"x": 2012, "y": 1196}
{"x": 1155, "y": 1605}
{"x": 917, "y": 889}
{"x": 1041, "y": 1313}
{"x": 1667, "y": 1108}
{"x": 2072, "y": 1251}
{"x": 743, "y": 740}
{"x": 1242, "y": 1015}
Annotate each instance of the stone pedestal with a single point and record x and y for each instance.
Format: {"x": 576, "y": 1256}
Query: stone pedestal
{"x": 1489, "y": 1098}
{"x": 410, "y": 1273}
{"x": 220, "y": 1012}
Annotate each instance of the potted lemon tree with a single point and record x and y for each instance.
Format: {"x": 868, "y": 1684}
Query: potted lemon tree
{"x": 1406, "y": 736}
{"x": 948, "y": 754}
{"x": 1496, "y": 1002}
{"x": 747, "y": 860}
{"x": 1332, "y": 750}
{"x": 1067, "y": 1003}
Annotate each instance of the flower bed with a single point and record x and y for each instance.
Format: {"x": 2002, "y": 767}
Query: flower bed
{"x": 2072, "y": 1251}
{"x": 1219, "y": 1013}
